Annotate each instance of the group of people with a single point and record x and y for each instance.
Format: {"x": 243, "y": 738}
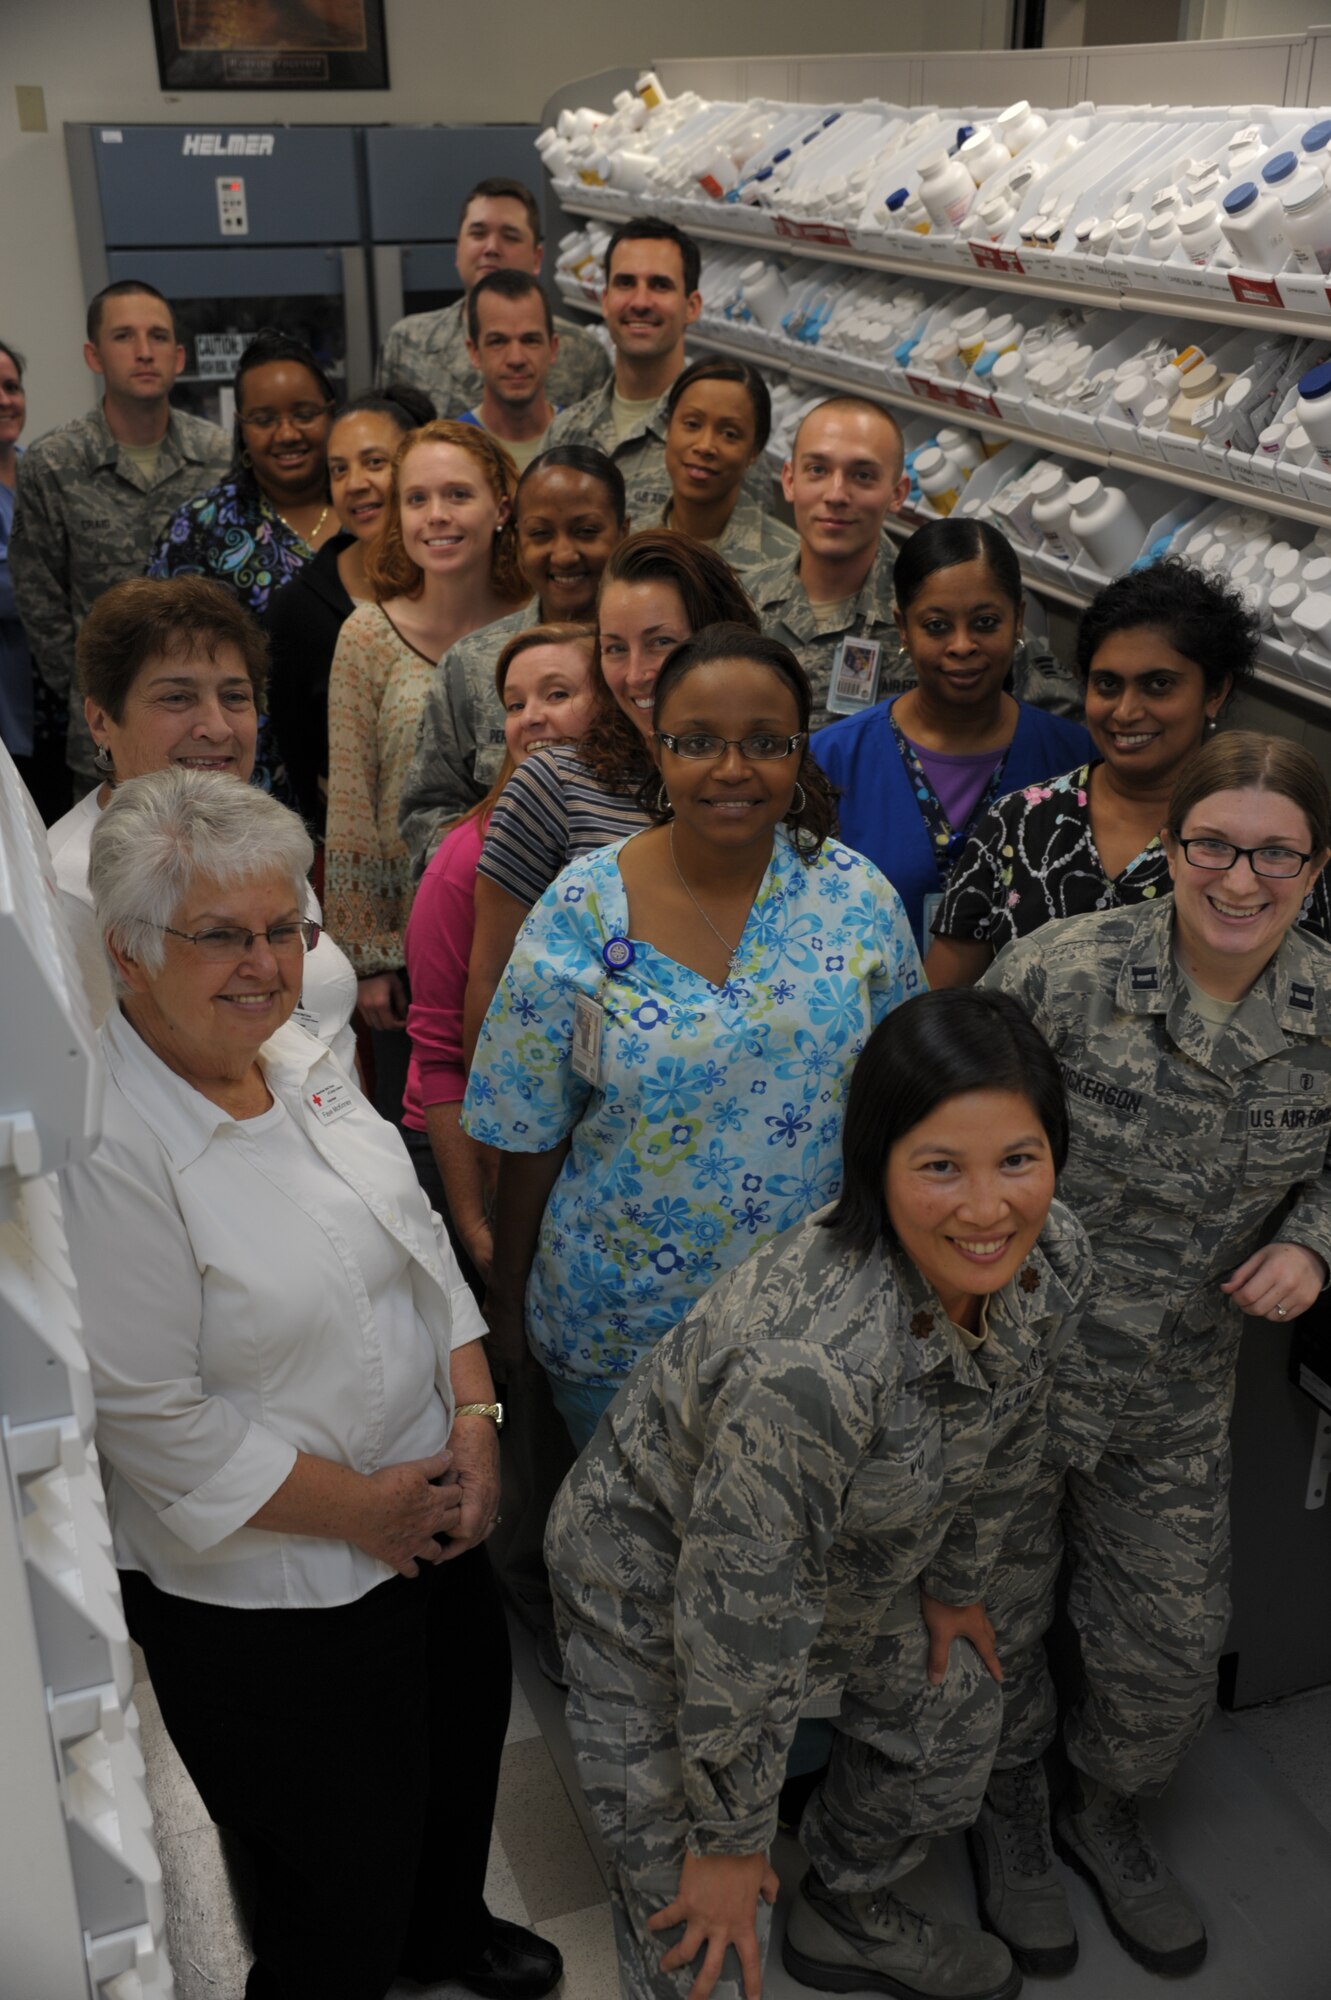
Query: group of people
{"x": 735, "y": 936}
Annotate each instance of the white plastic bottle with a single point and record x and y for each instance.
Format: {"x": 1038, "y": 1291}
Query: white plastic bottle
{"x": 1106, "y": 524}
{"x": 1161, "y": 239}
{"x": 983, "y": 154}
{"x": 1019, "y": 126}
{"x": 1129, "y": 232}
{"x": 1313, "y": 409}
{"x": 1306, "y": 201}
{"x": 1050, "y": 489}
{"x": 1199, "y": 229}
{"x": 946, "y": 190}
{"x": 1251, "y": 221}
{"x": 939, "y": 480}
{"x": 1130, "y": 398}
{"x": 1283, "y": 600}
{"x": 962, "y": 449}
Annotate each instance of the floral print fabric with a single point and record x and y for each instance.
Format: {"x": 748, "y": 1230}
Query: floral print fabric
{"x": 715, "y": 1120}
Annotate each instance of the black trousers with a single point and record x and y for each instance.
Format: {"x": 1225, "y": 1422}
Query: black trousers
{"x": 354, "y": 1754}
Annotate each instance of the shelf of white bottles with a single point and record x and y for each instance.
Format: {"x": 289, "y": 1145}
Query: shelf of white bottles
{"x": 81, "y": 1907}
{"x": 1280, "y": 667}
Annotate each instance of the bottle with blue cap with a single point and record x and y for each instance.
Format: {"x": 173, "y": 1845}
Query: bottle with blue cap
{"x": 1279, "y": 168}
{"x": 1250, "y": 220}
{"x": 1306, "y": 201}
{"x": 1313, "y": 410}
{"x": 1315, "y": 145}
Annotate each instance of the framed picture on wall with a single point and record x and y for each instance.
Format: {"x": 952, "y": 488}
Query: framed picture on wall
{"x": 270, "y": 44}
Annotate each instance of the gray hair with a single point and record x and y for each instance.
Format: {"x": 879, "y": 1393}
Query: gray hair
{"x": 162, "y": 832}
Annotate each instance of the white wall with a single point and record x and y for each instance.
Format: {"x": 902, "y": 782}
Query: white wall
{"x": 95, "y": 60}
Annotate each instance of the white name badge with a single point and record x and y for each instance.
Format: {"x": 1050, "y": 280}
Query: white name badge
{"x": 588, "y": 1027}
{"x": 305, "y": 1017}
{"x": 331, "y": 1101}
{"x": 855, "y": 669}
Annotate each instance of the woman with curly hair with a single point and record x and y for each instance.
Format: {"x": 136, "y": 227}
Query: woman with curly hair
{"x": 443, "y": 564}
{"x": 665, "y": 1062}
{"x": 1161, "y": 652}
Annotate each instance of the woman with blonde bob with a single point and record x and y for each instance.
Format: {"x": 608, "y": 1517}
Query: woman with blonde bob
{"x": 445, "y": 564}
{"x": 295, "y": 1418}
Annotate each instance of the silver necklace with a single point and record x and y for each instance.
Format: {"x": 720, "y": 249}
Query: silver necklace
{"x": 731, "y": 949}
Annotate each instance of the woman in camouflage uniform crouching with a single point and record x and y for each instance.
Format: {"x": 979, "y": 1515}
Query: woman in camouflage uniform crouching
{"x": 791, "y": 1508}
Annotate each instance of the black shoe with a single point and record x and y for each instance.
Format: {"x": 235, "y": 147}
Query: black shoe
{"x": 512, "y": 1964}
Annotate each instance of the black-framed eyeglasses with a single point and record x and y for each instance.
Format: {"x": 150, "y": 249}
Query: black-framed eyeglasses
{"x": 230, "y": 943}
{"x": 305, "y": 416}
{"x": 760, "y": 747}
{"x": 1278, "y": 864}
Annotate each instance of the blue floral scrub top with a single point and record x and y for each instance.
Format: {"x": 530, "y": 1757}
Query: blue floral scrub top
{"x": 715, "y": 1121}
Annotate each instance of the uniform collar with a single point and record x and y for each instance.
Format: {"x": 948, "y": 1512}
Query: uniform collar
{"x": 181, "y": 1117}
{"x": 872, "y": 604}
{"x": 1017, "y": 1316}
{"x": 175, "y": 441}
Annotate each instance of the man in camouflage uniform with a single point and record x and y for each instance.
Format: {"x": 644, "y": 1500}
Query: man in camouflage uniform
{"x": 843, "y": 479}
{"x": 746, "y": 1539}
{"x": 1187, "y": 1136}
{"x": 94, "y": 496}
{"x": 499, "y": 228}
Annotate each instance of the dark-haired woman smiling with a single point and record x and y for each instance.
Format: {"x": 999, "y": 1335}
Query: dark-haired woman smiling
{"x": 663, "y": 1065}
{"x": 807, "y": 1482}
{"x": 916, "y": 770}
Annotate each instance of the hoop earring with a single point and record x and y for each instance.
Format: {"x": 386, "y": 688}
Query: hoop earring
{"x": 103, "y": 759}
{"x": 663, "y": 805}
{"x": 246, "y": 460}
{"x": 797, "y": 805}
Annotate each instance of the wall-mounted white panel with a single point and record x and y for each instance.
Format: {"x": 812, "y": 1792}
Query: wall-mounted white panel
{"x": 1250, "y": 72}
{"x": 1045, "y": 76}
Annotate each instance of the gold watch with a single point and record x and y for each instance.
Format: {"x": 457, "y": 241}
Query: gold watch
{"x": 494, "y": 1411}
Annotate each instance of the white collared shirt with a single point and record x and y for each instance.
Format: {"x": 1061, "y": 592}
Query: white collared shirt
{"x": 230, "y": 1319}
{"x": 328, "y": 987}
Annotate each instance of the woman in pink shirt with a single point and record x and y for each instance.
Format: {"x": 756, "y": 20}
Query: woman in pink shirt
{"x": 543, "y": 677}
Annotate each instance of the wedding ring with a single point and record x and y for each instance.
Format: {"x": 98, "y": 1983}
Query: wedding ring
{"x": 1280, "y": 1312}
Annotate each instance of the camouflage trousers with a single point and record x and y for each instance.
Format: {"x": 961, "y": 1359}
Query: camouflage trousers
{"x": 1147, "y": 1544}
{"x": 909, "y": 1762}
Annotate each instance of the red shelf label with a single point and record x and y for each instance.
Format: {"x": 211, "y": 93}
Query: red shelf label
{"x": 988, "y": 257}
{"x": 812, "y": 232}
{"x": 1255, "y": 291}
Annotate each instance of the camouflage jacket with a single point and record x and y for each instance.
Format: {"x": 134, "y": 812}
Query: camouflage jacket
{"x": 812, "y": 1439}
{"x": 460, "y": 736}
{"x": 786, "y": 613}
{"x": 640, "y": 456}
{"x": 1187, "y": 1142}
{"x": 752, "y": 538}
{"x": 86, "y": 517}
{"x": 429, "y": 350}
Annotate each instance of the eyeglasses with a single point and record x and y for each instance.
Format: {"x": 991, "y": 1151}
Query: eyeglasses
{"x": 1280, "y": 864}
{"x": 228, "y": 945}
{"x": 759, "y": 748}
{"x": 305, "y": 416}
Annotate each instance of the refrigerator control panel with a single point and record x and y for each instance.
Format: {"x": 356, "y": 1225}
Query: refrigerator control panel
{"x": 233, "y": 216}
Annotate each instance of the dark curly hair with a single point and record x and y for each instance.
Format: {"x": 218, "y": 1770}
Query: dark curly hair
{"x": 1199, "y": 615}
{"x": 813, "y": 821}
{"x": 613, "y": 750}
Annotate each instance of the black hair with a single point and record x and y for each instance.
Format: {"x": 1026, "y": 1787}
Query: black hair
{"x": 499, "y": 188}
{"x": 123, "y": 288}
{"x": 944, "y": 545}
{"x": 936, "y": 1046}
{"x": 401, "y": 402}
{"x": 582, "y": 458}
{"x": 268, "y": 344}
{"x": 20, "y": 363}
{"x": 1199, "y": 615}
{"x": 815, "y": 820}
{"x": 506, "y": 283}
{"x": 724, "y": 368}
{"x": 648, "y": 228}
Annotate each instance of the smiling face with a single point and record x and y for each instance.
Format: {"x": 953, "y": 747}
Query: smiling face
{"x": 360, "y": 470}
{"x": 284, "y": 419}
{"x": 186, "y": 709}
{"x": 136, "y": 351}
{"x": 13, "y": 402}
{"x": 449, "y": 514}
{"x": 548, "y": 698}
{"x": 967, "y": 1191}
{"x": 961, "y": 632}
{"x": 1231, "y": 922}
{"x": 1147, "y": 706}
{"x": 731, "y": 800}
{"x": 645, "y": 304}
{"x": 711, "y": 442}
{"x": 515, "y": 351}
{"x": 495, "y": 234}
{"x": 207, "y": 1020}
{"x": 843, "y": 479}
{"x": 566, "y": 533}
{"x": 640, "y": 625}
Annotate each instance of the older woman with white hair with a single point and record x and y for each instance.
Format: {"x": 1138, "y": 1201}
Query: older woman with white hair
{"x": 295, "y": 1418}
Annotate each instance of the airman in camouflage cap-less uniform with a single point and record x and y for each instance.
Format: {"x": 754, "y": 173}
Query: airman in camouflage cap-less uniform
{"x": 745, "y": 1539}
{"x": 1186, "y": 1140}
{"x": 85, "y": 517}
{"x": 429, "y": 350}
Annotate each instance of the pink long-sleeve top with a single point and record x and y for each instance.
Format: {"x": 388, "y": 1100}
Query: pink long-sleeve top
{"x": 438, "y": 950}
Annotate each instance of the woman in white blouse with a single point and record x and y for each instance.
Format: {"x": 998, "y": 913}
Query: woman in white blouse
{"x": 172, "y": 672}
{"x": 295, "y": 1419}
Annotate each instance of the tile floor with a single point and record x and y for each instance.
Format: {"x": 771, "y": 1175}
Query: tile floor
{"x": 1248, "y": 1822}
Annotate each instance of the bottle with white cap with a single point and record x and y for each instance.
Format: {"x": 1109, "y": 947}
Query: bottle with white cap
{"x": 969, "y": 330}
{"x": 1313, "y": 409}
{"x": 1252, "y": 224}
{"x": 1019, "y": 126}
{"x": 1200, "y": 387}
{"x": 1129, "y": 231}
{"x": 946, "y": 190}
{"x": 1282, "y": 601}
{"x": 1312, "y": 621}
{"x": 1007, "y": 374}
{"x": 1050, "y": 489}
{"x": 961, "y": 448}
{"x": 1199, "y": 230}
{"x": 1306, "y": 200}
{"x": 1130, "y": 397}
{"x": 1106, "y": 524}
{"x": 1162, "y": 237}
{"x": 938, "y": 478}
{"x": 983, "y": 154}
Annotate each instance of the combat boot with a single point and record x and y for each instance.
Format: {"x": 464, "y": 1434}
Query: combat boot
{"x": 874, "y": 1943}
{"x": 1021, "y": 1897}
{"x": 1100, "y": 1834}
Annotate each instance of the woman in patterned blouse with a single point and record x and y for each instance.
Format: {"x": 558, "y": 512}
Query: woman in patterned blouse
{"x": 665, "y": 1062}
{"x": 1162, "y": 651}
{"x": 443, "y": 565}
